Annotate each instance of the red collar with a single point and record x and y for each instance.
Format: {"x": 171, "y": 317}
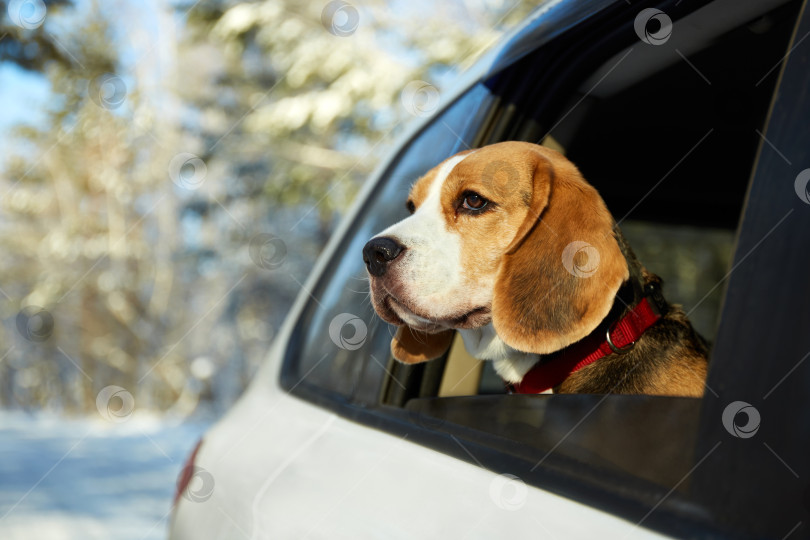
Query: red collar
{"x": 622, "y": 335}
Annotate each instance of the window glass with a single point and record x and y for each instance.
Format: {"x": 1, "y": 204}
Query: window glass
{"x": 341, "y": 339}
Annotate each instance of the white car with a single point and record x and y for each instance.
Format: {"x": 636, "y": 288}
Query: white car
{"x": 690, "y": 117}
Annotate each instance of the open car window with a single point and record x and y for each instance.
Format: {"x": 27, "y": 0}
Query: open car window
{"x": 671, "y": 147}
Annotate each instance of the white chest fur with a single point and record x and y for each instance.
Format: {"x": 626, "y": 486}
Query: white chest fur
{"x": 483, "y": 343}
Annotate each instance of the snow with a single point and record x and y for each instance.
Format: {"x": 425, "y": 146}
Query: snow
{"x": 86, "y": 478}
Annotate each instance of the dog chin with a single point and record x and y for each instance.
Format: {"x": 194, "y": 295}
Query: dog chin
{"x": 470, "y": 319}
{"x": 413, "y": 320}
{"x": 397, "y": 312}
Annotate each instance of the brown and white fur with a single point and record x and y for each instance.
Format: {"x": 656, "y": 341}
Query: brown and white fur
{"x": 512, "y": 248}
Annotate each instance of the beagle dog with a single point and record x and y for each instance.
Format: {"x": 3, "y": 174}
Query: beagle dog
{"x": 509, "y": 246}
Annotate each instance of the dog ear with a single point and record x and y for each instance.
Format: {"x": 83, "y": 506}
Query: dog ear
{"x": 412, "y": 347}
{"x": 560, "y": 275}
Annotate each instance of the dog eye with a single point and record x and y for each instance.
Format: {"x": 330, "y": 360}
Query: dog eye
{"x": 474, "y": 201}
{"x": 410, "y": 206}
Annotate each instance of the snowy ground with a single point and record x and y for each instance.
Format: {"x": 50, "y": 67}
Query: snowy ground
{"x": 88, "y": 478}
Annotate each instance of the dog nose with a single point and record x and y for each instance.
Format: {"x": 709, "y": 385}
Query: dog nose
{"x": 379, "y": 252}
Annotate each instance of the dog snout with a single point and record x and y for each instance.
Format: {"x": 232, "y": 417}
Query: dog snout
{"x": 379, "y": 252}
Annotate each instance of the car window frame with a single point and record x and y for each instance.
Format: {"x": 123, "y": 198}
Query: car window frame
{"x": 442, "y": 435}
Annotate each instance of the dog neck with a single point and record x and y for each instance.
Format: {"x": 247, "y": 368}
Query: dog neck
{"x": 619, "y": 338}
{"x": 512, "y": 365}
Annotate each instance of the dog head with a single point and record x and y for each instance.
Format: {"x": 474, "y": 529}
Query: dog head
{"x": 509, "y": 235}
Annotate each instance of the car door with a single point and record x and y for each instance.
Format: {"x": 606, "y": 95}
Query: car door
{"x": 333, "y": 439}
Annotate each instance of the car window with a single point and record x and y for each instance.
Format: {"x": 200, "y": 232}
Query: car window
{"x": 341, "y": 338}
{"x": 675, "y": 182}
{"x": 672, "y": 154}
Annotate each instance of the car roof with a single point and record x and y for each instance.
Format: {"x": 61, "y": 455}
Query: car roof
{"x": 550, "y": 19}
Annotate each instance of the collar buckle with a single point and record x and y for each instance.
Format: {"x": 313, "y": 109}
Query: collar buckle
{"x": 614, "y": 348}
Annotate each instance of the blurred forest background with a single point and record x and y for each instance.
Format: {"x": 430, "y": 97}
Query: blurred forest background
{"x": 161, "y": 207}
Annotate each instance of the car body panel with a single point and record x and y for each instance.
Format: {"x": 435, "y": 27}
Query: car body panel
{"x": 313, "y": 474}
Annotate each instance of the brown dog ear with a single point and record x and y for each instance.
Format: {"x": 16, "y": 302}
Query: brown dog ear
{"x": 560, "y": 275}
{"x": 412, "y": 347}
